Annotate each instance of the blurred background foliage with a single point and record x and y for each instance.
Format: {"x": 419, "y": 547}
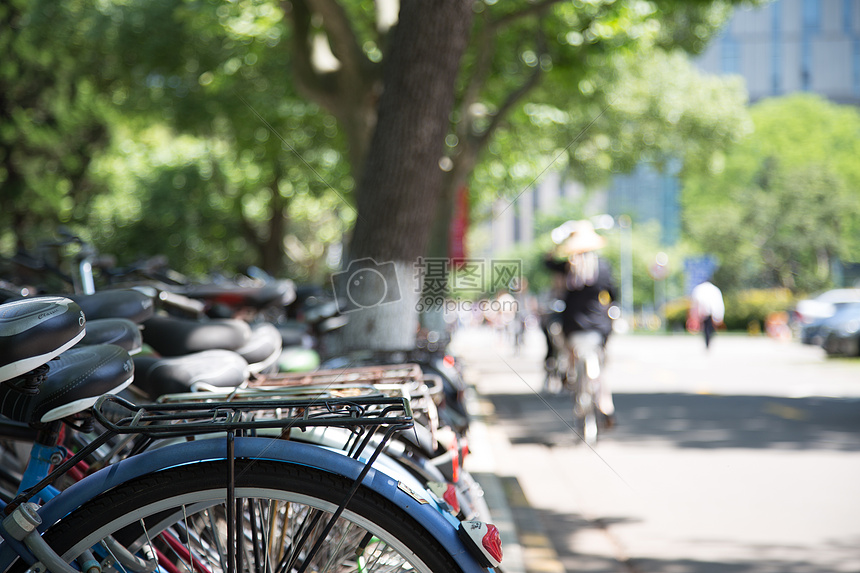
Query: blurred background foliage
{"x": 781, "y": 207}
{"x": 167, "y": 128}
{"x": 224, "y": 134}
{"x": 747, "y": 310}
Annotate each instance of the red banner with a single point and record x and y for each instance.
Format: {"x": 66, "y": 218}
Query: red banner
{"x": 459, "y": 227}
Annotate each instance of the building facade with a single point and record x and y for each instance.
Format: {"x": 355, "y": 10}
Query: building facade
{"x": 792, "y": 45}
{"x": 778, "y": 48}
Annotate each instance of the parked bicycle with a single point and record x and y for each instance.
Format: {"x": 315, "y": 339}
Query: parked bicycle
{"x": 219, "y": 354}
{"x": 234, "y": 501}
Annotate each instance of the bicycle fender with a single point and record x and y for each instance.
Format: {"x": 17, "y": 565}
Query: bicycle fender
{"x": 437, "y": 522}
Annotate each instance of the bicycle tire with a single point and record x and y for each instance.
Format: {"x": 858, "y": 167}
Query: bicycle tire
{"x": 189, "y": 501}
{"x": 584, "y": 405}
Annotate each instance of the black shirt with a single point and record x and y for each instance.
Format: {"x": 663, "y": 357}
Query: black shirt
{"x": 583, "y": 307}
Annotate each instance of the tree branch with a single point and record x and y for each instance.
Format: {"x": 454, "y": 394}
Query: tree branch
{"x": 481, "y": 72}
{"x": 314, "y": 85}
{"x": 341, "y": 37}
{"x": 536, "y": 8}
{"x": 515, "y": 96}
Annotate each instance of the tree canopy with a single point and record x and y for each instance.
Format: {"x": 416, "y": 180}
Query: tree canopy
{"x": 781, "y": 207}
{"x": 193, "y": 141}
{"x": 224, "y": 134}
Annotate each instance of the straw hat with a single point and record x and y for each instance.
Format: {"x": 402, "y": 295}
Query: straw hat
{"x": 582, "y": 239}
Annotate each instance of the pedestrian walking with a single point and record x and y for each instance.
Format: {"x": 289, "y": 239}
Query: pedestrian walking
{"x": 707, "y": 309}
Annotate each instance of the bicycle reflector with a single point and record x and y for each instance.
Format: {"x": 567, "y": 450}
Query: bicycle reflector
{"x": 455, "y": 461}
{"x": 446, "y": 492}
{"x": 483, "y": 540}
{"x": 464, "y": 449}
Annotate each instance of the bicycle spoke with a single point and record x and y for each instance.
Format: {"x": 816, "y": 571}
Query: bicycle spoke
{"x": 115, "y": 560}
{"x": 267, "y": 539}
{"x": 255, "y": 545}
{"x": 305, "y": 531}
{"x": 186, "y": 530}
{"x": 344, "y": 535}
{"x": 152, "y": 549}
{"x": 274, "y": 513}
{"x": 216, "y": 539}
{"x": 187, "y": 537}
{"x": 282, "y": 541}
{"x": 375, "y": 555}
{"x": 175, "y": 545}
{"x": 240, "y": 535}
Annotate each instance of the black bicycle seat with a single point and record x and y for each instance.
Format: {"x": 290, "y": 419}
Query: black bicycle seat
{"x": 263, "y": 348}
{"x": 216, "y": 368}
{"x": 35, "y": 330}
{"x": 276, "y": 293}
{"x": 131, "y": 304}
{"x": 75, "y": 380}
{"x": 120, "y": 331}
{"x": 173, "y": 336}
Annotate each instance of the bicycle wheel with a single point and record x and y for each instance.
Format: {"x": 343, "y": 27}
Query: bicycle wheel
{"x": 180, "y": 516}
{"x": 584, "y": 404}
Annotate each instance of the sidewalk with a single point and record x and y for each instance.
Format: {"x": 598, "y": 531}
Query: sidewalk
{"x": 743, "y": 459}
{"x": 527, "y": 549}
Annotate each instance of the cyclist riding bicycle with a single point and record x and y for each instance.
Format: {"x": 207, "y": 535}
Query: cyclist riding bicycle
{"x": 587, "y": 288}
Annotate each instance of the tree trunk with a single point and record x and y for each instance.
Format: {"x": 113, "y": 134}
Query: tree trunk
{"x": 401, "y": 181}
{"x": 271, "y": 246}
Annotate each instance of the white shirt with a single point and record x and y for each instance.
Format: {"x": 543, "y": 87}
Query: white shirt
{"x": 707, "y": 300}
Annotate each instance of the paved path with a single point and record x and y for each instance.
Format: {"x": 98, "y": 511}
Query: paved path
{"x": 742, "y": 459}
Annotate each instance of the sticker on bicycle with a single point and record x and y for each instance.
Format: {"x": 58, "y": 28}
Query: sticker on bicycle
{"x": 411, "y": 493}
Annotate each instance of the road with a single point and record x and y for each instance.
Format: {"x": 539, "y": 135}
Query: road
{"x": 744, "y": 458}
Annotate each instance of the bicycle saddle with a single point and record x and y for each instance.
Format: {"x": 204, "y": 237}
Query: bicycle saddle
{"x": 120, "y": 331}
{"x": 263, "y": 348}
{"x": 132, "y": 304}
{"x": 212, "y": 368}
{"x": 174, "y": 336}
{"x": 35, "y": 330}
{"x": 278, "y": 293}
{"x": 75, "y": 380}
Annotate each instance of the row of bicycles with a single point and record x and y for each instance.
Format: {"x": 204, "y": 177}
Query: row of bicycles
{"x": 138, "y": 437}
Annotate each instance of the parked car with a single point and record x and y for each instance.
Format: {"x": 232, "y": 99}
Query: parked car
{"x": 810, "y": 314}
{"x": 840, "y": 334}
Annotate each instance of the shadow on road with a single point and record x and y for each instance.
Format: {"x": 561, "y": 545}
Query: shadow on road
{"x": 692, "y": 421}
{"x": 753, "y": 566}
{"x": 763, "y": 558}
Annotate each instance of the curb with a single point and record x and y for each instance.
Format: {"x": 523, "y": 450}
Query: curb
{"x": 527, "y": 548}
{"x": 539, "y": 555}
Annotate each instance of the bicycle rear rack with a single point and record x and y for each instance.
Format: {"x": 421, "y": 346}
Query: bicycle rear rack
{"x": 423, "y": 390}
{"x": 201, "y": 417}
{"x": 363, "y": 416}
{"x": 383, "y": 373}
{"x": 359, "y": 414}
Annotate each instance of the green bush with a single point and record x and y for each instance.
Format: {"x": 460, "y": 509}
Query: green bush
{"x": 676, "y": 313}
{"x": 749, "y": 308}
